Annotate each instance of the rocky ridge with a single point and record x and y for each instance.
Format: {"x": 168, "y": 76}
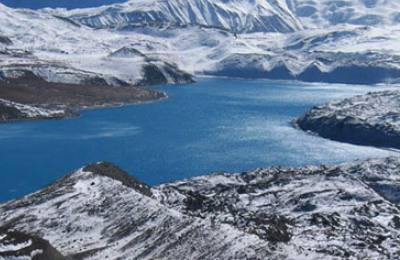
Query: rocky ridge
{"x": 372, "y": 119}
{"x": 98, "y": 212}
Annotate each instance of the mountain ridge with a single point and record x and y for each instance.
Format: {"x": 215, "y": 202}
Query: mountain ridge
{"x": 92, "y": 215}
{"x": 237, "y": 16}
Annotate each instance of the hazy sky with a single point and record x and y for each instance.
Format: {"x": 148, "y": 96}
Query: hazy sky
{"x": 35, "y": 4}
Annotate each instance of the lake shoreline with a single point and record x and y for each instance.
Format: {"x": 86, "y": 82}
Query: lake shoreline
{"x": 180, "y": 137}
{"x": 35, "y": 99}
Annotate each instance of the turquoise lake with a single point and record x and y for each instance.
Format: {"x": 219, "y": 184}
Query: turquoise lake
{"x": 213, "y": 125}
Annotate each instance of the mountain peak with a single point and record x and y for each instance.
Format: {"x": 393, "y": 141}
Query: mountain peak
{"x": 111, "y": 171}
{"x": 236, "y": 15}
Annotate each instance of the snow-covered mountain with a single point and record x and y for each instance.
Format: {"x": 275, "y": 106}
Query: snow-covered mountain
{"x": 100, "y": 212}
{"x": 323, "y": 13}
{"x": 241, "y": 15}
{"x": 350, "y": 41}
{"x": 233, "y": 15}
{"x": 54, "y": 48}
{"x": 316, "y": 48}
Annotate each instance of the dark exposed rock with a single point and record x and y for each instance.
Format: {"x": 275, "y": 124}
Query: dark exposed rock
{"x": 68, "y": 20}
{"x": 152, "y": 75}
{"x": 112, "y": 171}
{"x": 28, "y": 246}
{"x": 372, "y": 119}
{"x": 30, "y": 90}
{"x": 5, "y": 40}
{"x": 127, "y": 52}
{"x": 10, "y": 113}
{"x": 160, "y": 74}
{"x": 347, "y": 74}
{"x": 349, "y": 68}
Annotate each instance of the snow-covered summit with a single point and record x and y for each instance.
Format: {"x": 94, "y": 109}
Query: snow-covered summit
{"x": 241, "y": 15}
{"x": 233, "y": 15}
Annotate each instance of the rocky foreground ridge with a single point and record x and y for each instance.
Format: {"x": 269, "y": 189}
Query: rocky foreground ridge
{"x": 371, "y": 119}
{"x": 100, "y": 212}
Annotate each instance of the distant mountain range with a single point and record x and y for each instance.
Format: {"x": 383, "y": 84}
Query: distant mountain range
{"x": 242, "y": 15}
{"x": 353, "y": 41}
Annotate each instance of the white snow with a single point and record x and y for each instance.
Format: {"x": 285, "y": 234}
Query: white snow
{"x": 32, "y": 111}
{"x": 14, "y": 247}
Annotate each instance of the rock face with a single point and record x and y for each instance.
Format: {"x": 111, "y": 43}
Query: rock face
{"x": 330, "y": 67}
{"x": 30, "y": 97}
{"x": 371, "y": 119}
{"x": 19, "y": 246}
{"x": 15, "y": 111}
{"x": 99, "y": 212}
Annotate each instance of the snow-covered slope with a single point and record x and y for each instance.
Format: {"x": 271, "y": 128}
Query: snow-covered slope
{"x": 233, "y": 15}
{"x": 371, "y": 119}
{"x": 57, "y": 49}
{"x": 241, "y": 15}
{"x": 99, "y": 212}
{"x": 312, "y": 48}
{"x": 19, "y": 246}
{"x": 322, "y": 13}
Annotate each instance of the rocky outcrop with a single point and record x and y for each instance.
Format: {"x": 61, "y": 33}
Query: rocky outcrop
{"x": 372, "y": 119}
{"x": 27, "y": 96}
{"x": 16, "y": 245}
{"x": 99, "y": 212}
{"x": 10, "y": 111}
{"x": 5, "y": 40}
{"x": 348, "y": 68}
{"x": 154, "y": 71}
{"x": 155, "y": 74}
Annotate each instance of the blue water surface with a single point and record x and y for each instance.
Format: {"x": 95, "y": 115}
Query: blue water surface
{"x": 213, "y": 125}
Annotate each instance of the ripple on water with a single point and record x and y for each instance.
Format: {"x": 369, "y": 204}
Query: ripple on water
{"x": 213, "y": 125}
